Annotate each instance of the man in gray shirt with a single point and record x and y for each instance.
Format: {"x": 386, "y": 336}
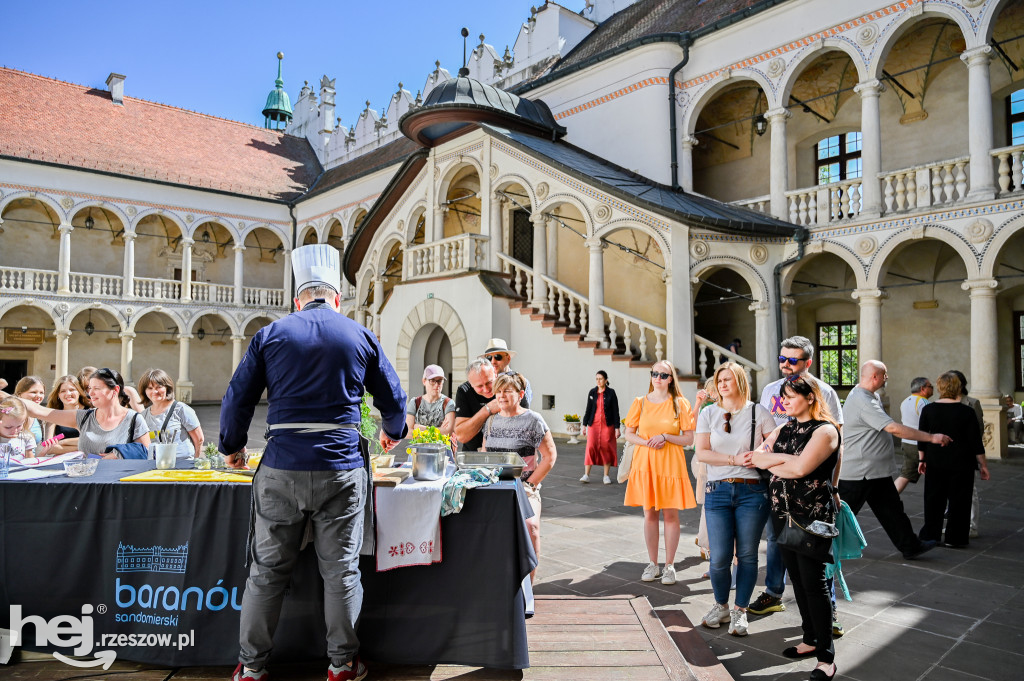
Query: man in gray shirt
{"x": 868, "y": 452}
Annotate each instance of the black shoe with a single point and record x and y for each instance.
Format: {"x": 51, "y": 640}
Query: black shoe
{"x": 818, "y": 674}
{"x": 955, "y": 546}
{"x": 925, "y": 546}
{"x": 766, "y": 604}
{"x": 794, "y": 654}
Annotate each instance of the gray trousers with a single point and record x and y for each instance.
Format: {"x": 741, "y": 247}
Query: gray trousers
{"x": 332, "y": 501}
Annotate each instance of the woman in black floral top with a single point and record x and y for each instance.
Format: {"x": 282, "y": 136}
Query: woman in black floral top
{"x": 804, "y": 463}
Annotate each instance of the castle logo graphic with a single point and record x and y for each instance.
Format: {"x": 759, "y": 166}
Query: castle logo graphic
{"x": 152, "y": 559}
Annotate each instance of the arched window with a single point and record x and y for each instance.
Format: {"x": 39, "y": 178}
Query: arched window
{"x": 1015, "y": 117}
{"x": 838, "y": 158}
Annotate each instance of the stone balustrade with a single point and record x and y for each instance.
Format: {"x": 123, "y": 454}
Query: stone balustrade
{"x": 1010, "y": 171}
{"x": 21, "y": 279}
{"x": 710, "y": 356}
{"x": 453, "y": 255}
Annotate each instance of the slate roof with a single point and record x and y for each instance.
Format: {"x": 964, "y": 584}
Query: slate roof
{"x": 65, "y": 124}
{"x": 378, "y": 159}
{"x": 653, "y": 19}
{"x": 689, "y": 208}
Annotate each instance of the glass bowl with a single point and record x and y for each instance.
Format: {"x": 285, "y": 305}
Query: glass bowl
{"x": 80, "y": 468}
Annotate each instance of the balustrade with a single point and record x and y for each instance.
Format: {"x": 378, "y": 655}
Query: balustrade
{"x": 156, "y": 289}
{"x": 96, "y": 284}
{"x": 20, "y": 279}
{"x": 635, "y": 336}
{"x": 932, "y": 184}
{"x": 205, "y": 292}
{"x": 825, "y": 203}
{"x": 761, "y": 204}
{"x": 568, "y": 306}
{"x": 460, "y": 253}
{"x": 706, "y": 350}
{"x": 1010, "y": 168}
{"x": 263, "y": 297}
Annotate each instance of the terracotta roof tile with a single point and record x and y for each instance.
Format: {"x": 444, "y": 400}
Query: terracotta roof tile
{"x": 67, "y": 124}
{"x": 391, "y": 153}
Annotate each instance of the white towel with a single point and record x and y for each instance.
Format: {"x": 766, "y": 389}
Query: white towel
{"x": 409, "y": 523}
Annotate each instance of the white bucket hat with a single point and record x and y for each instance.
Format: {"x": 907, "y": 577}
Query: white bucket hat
{"x": 498, "y": 345}
{"x": 316, "y": 265}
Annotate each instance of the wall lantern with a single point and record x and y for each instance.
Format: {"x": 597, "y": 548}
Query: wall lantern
{"x": 760, "y": 124}
{"x": 89, "y": 222}
{"x": 90, "y": 328}
{"x": 201, "y": 333}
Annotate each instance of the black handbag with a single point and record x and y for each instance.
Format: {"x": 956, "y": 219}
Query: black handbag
{"x": 813, "y": 540}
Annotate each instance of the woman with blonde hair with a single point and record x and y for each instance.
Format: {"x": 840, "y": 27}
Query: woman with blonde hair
{"x": 31, "y": 388}
{"x": 660, "y": 424}
{"x": 735, "y": 496}
{"x": 67, "y": 393}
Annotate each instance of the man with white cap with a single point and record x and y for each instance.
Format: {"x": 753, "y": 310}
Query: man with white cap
{"x": 498, "y": 354}
{"x": 315, "y": 366}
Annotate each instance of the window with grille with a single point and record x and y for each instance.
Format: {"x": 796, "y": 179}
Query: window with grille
{"x": 838, "y": 158}
{"x": 1015, "y": 117}
{"x": 837, "y": 354}
{"x": 522, "y": 237}
{"x": 1018, "y": 355}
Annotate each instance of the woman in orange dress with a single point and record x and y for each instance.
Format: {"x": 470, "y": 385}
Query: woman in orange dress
{"x": 660, "y": 424}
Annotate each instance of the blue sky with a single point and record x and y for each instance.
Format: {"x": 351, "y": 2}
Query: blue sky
{"x": 218, "y": 57}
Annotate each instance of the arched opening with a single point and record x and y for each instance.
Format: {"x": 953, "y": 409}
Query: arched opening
{"x": 418, "y": 227}
{"x": 731, "y": 159}
{"x": 28, "y": 345}
{"x": 263, "y": 268}
{"x": 1009, "y": 271}
{"x": 430, "y": 345}
{"x": 212, "y": 264}
{"x": 462, "y": 204}
{"x": 390, "y": 270}
{"x": 336, "y": 238}
{"x": 252, "y": 326}
{"x": 357, "y": 219}
{"x": 31, "y": 239}
{"x": 210, "y": 354}
{"x": 720, "y": 304}
{"x": 155, "y": 345}
{"x": 158, "y": 251}
{"x": 308, "y": 236}
{"x": 517, "y": 230}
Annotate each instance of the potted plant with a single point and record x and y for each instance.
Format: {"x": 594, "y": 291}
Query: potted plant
{"x": 428, "y": 449}
{"x": 573, "y": 427}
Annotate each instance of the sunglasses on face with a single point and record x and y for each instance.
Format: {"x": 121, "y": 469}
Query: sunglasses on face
{"x": 793, "y": 361}
{"x": 495, "y": 358}
{"x": 659, "y": 374}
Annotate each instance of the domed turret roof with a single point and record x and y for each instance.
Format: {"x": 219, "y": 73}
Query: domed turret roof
{"x": 459, "y": 102}
{"x": 278, "y": 107}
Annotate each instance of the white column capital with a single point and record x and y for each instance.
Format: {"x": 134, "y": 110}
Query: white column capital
{"x": 238, "y": 338}
{"x": 778, "y": 115}
{"x": 129, "y": 236}
{"x": 980, "y": 287}
{"x": 869, "y": 296}
{"x": 185, "y": 337}
{"x": 62, "y": 333}
{"x": 66, "y": 228}
{"x": 129, "y": 335}
{"x": 788, "y": 302}
{"x": 760, "y": 308}
{"x": 595, "y": 244}
{"x": 689, "y": 141}
{"x": 869, "y": 88}
{"x": 977, "y": 56}
{"x": 185, "y": 242}
{"x": 238, "y": 248}
{"x": 285, "y": 251}
{"x": 539, "y": 218}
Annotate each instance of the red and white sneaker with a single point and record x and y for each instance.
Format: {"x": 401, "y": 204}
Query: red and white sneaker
{"x": 353, "y": 671}
{"x": 243, "y": 674}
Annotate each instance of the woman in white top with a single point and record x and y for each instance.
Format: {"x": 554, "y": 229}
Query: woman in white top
{"x": 735, "y": 497}
{"x": 180, "y": 425}
{"x": 431, "y": 408}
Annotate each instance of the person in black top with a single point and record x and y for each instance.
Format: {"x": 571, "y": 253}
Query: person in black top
{"x": 950, "y": 469}
{"x": 474, "y": 404}
{"x": 601, "y": 428}
{"x": 804, "y": 463}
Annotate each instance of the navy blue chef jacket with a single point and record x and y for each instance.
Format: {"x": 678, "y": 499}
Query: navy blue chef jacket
{"x": 314, "y": 365}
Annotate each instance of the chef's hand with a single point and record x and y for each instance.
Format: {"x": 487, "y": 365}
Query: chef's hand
{"x": 386, "y": 443}
{"x": 236, "y": 460}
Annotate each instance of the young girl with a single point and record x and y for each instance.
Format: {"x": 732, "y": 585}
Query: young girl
{"x": 12, "y": 421}
{"x": 31, "y": 388}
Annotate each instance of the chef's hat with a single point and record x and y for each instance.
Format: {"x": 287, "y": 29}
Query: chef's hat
{"x": 316, "y": 265}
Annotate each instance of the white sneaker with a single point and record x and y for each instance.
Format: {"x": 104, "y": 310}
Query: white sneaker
{"x": 651, "y": 573}
{"x": 585, "y": 478}
{"x": 718, "y": 614}
{"x": 668, "y": 575}
{"x": 738, "y": 622}
{"x": 607, "y": 480}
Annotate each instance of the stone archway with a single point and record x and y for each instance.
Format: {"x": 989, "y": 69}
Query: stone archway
{"x": 431, "y": 312}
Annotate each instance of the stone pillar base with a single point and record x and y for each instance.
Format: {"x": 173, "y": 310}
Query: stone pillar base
{"x": 995, "y": 438}
{"x": 183, "y": 391}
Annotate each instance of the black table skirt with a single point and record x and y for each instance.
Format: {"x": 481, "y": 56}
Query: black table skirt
{"x": 159, "y": 558}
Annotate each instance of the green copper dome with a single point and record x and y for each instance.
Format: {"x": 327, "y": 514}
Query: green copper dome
{"x": 278, "y": 108}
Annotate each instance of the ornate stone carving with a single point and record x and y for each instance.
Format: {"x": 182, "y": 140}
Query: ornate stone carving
{"x": 866, "y": 245}
{"x": 400, "y": 226}
{"x": 239, "y": 316}
{"x": 241, "y": 225}
{"x": 980, "y": 230}
{"x": 917, "y": 232}
{"x": 493, "y": 170}
{"x": 62, "y": 308}
{"x": 542, "y": 191}
{"x": 186, "y": 313}
{"x": 973, "y": 3}
{"x": 190, "y": 218}
{"x": 603, "y": 213}
{"x": 700, "y": 249}
{"x": 759, "y": 254}
{"x": 67, "y": 202}
{"x": 775, "y": 67}
{"x": 131, "y": 211}
{"x": 437, "y": 173}
{"x": 867, "y": 34}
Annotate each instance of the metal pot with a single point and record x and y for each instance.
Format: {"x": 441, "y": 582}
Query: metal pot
{"x": 428, "y": 460}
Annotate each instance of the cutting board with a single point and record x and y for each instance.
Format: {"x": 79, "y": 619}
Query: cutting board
{"x": 389, "y": 477}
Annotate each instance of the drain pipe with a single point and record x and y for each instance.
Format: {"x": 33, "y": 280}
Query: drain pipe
{"x": 801, "y": 236}
{"x": 685, "y": 40}
{"x": 295, "y": 235}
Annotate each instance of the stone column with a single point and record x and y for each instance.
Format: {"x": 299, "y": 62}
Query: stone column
{"x": 869, "y": 330}
{"x": 378, "y": 304}
{"x": 679, "y": 302}
{"x": 239, "y": 261}
{"x": 984, "y": 377}
{"x": 979, "y": 122}
{"x": 553, "y": 248}
{"x": 496, "y": 231}
{"x": 595, "y": 317}
{"x": 236, "y": 351}
{"x": 437, "y": 232}
{"x": 286, "y": 300}
{"x": 686, "y": 162}
{"x": 871, "y": 147}
{"x": 64, "y": 259}
{"x": 186, "y": 270}
{"x": 183, "y": 388}
{"x": 540, "y": 261}
{"x": 62, "y": 351}
{"x": 779, "y": 171}
{"x": 129, "y": 265}
{"x": 127, "y": 342}
{"x": 765, "y": 339}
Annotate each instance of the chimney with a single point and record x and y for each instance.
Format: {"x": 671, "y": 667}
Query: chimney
{"x": 115, "y": 83}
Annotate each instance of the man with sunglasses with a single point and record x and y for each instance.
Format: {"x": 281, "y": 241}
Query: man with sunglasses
{"x": 498, "y": 354}
{"x": 795, "y": 360}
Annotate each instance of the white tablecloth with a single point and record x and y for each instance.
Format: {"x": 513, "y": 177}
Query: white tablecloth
{"x": 408, "y": 522}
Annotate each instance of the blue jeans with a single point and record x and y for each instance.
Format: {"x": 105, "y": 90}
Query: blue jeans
{"x": 736, "y": 514}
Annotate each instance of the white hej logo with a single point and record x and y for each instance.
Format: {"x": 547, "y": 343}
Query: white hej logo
{"x": 64, "y": 631}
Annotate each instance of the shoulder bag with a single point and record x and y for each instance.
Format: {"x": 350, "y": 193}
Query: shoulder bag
{"x": 627, "y": 453}
{"x": 813, "y": 540}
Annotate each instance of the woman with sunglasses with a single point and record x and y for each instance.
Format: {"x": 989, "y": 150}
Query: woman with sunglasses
{"x": 735, "y": 496}
{"x": 804, "y": 463}
{"x": 110, "y": 423}
{"x": 660, "y": 424}
{"x": 431, "y": 408}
